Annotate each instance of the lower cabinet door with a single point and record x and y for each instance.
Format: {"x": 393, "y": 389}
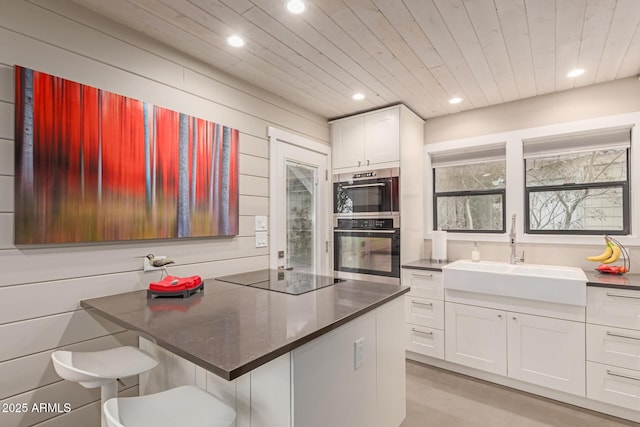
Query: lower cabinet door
{"x": 476, "y": 337}
{"x": 426, "y": 341}
{"x": 547, "y": 352}
{"x": 614, "y": 385}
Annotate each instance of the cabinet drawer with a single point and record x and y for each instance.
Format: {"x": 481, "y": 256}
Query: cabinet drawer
{"x": 427, "y": 341}
{"x": 614, "y": 385}
{"x": 424, "y": 312}
{"x": 424, "y": 283}
{"x": 613, "y": 307}
{"x": 613, "y": 346}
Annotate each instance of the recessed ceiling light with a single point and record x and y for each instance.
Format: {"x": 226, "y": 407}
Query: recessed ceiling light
{"x": 575, "y": 73}
{"x": 235, "y": 41}
{"x": 295, "y": 6}
{"x": 455, "y": 100}
{"x": 358, "y": 96}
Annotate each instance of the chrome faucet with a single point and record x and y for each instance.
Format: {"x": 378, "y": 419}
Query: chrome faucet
{"x": 512, "y": 243}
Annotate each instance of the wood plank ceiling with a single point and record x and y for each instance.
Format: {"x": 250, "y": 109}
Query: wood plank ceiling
{"x": 418, "y": 52}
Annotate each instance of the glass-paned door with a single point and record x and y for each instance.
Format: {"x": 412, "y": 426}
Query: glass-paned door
{"x": 301, "y": 206}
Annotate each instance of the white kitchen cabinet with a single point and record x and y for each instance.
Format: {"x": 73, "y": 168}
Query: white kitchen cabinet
{"x": 423, "y": 283}
{"x": 325, "y": 367}
{"x": 613, "y": 307}
{"x": 539, "y": 350}
{"x": 424, "y": 312}
{"x": 382, "y": 137}
{"x": 547, "y": 352}
{"x": 321, "y": 383}
{"x": 476, "y": 337}
{"x": 366, "y": 140}
{"x": 390, "y": 137}
{"x": 347, "y": 143}
{"x": 425, "y": 341}
{"x": 614, "y": 385}
{"x": 613, "y": 346}
{"x": 332, "y": 388}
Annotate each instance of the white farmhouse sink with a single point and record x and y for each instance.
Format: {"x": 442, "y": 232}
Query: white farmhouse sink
{"x": 551, "y": 283}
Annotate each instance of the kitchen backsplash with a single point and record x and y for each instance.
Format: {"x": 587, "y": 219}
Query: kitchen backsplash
{"x": 535, "y": 253}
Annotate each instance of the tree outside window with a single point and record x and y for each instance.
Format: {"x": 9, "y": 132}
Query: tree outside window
{"x": 581, "y": 192}
{"x": 470, "y": 197}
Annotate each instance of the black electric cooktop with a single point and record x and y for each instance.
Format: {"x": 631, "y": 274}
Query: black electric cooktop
{"x": 287, "y": 281}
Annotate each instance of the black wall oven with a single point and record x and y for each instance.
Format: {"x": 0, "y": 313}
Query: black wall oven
{"x": 368, "y": 248}
{"x": 366, "y": 193}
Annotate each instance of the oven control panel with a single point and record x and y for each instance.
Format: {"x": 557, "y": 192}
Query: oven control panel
{"x": 365, "y": 223}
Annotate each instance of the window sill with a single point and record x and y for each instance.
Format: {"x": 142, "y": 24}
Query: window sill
{"x": 630, "y": 240}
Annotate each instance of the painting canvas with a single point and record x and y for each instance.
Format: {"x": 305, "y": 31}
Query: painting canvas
{"x": 92, "y": 166}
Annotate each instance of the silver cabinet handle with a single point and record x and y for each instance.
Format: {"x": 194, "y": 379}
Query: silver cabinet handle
{"x": 621, "y": 296}
{"x": 360, "y": 230}
{"x": 418, "y": 331}
{"x": 428, "y": 304}
{"x": 515, "y": 318}
{"x": 367, "y": 162}
{"x": 499, "y": 316}
{"x": 612, "y": 334}
{"x": 629, "y": 377}
{"x": 430, "y": 276}
{"x": 359, "y": 162}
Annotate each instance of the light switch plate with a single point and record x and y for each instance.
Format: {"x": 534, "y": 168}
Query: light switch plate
{"x": 261, "y": 223}
{"x": 262, "y": 241}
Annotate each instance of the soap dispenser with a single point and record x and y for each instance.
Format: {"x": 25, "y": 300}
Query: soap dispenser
{"x": 475, "y": 252}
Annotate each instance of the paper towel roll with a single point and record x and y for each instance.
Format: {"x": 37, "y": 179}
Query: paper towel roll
{"x": 439, "y": 245}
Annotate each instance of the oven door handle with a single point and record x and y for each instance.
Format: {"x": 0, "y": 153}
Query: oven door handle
{"x": 377, "y": 184}
{"x": 366, "y": 231}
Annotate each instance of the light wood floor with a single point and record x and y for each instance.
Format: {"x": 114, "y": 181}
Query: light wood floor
{"x": 438, "y": 398}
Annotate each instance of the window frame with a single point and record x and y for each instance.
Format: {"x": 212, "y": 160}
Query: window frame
{"x": 501, "y": 192}
{"x": 626, "y": 208}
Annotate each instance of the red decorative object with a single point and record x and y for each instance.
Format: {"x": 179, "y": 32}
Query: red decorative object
{"x": 175, "y": 286}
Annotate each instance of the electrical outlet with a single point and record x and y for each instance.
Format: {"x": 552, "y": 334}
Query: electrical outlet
{"x": 262, "y": 240}
{"x": 261, "y": 223}
{"x": 358, "y": 353}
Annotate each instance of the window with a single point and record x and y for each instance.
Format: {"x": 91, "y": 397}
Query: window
{"x": 469, "y": 190}
{"x": 578, "y": 183}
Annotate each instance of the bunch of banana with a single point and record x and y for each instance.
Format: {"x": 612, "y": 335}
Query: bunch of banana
{"x": 611, "y": 253}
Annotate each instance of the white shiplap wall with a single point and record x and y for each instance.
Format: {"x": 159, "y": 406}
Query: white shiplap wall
{"x": 40, "y": 287}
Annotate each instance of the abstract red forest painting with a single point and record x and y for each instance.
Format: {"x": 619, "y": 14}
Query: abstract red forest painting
{"x": 93, "y": 166}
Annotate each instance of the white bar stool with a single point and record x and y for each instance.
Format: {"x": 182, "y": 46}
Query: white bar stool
{"x": 101, "y": 368}
{"x": 181, "y": 406}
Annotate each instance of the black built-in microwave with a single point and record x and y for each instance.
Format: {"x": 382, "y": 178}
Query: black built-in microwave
{"x": 373, "y": 192}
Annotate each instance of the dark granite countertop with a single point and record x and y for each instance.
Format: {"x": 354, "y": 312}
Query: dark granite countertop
{"x": 231, "y": 329}
{"x": 425, "y": 264}
{"x": 594, "y": 278}
{"x": 624, "y": 281}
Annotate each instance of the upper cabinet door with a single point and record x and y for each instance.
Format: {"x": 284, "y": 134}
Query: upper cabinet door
{"x": 382, "y": 138}
{"x": 367, "y": 140}
{"x": 347, "y": 143}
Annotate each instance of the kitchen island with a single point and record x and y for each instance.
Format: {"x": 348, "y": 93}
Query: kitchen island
{"x": 331, "y": 356}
